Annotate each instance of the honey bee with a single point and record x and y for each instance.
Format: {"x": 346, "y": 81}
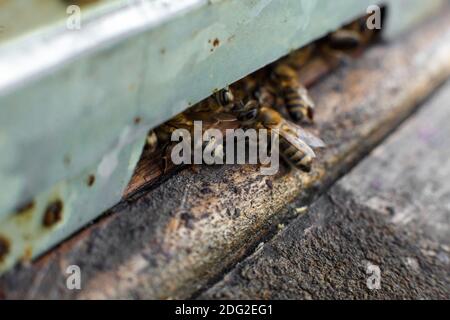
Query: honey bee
{"x": 298, "y": 58}
{"x": 345, "y": 39}
{"x": 240, "y": 91}
{"x": 180, "y": 121}
{"x": 364, "y": 33}
{"x": 218, "y": 102}
{"x": 249, "y": 85}
{"x": 246, "y": 113}
{"x": 296, "y": 144}
{"x": 209, "y": 104}
{"x": 239, "y": 102}
{"x": 185, "y": 120}
{"x": 298, "y": 103}
{"x": 340, "y": 44}
{"x": 222, "y": 101}
{"x": 267, "y": 96}
{"x": 224, "y": 97}
{"x": 161, "y": 136}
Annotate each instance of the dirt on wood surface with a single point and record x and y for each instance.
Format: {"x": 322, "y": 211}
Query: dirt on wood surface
{"x": 392, "y": 211}
{"x": 176, "y": 239}
{"x": 408, "y": 176}
{"x": 325, "y": 255}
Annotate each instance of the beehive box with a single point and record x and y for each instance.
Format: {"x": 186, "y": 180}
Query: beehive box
{"x": 75, "y": 105}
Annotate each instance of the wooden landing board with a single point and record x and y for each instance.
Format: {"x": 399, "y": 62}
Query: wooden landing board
{"x": 392, "y": 211}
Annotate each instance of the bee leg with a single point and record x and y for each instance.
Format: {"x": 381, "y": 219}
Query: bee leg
{"x": 308, "y": 110}
{"x": 167, "y": 148}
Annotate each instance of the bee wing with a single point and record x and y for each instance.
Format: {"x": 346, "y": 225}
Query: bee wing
{"x": 297, "y": 143}
{"x": 306, "y": 136}
{"x": 293, "y": 139}
{"x": 304, "y": 94}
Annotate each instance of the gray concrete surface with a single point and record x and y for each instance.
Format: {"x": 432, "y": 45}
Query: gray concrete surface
{"x": 392, "y": 211}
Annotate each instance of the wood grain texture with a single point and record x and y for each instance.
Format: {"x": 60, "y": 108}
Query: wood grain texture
{"x": 392, "y": 210}
{"x": 407, "y": 178}
{"x": 177, "y": 238}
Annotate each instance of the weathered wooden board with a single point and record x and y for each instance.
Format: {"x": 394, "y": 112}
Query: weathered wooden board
{"x": 324, "y": 255}
{"x": 408, "y": 177}
{"x": 392, "y": 210}
{"x": 175, "y": 239}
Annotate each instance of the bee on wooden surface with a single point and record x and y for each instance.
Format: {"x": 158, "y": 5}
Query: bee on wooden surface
{"x": 180, "y": 121}
{"x": 240, "y": 91}
{"x": 186, "y": 121}
{"x": 340, "y": 44}
{"x": 296, "y": 144}
{"x": 298, "y": 58}
{"x": 298, "y": 103}
{"x": 224, "y": 97}
{"x": 345, "y": 39}
{"x": 267, "y": 96}
{"x": 249, "y": 84}
{"x": 209, "y": 104}
{"x": 161, "y": 136}
{"x": 239, "y": 102}
{"x": 246, "y": 112}
{"x": 220, "y": 101}
{"x": 365, "y": 34}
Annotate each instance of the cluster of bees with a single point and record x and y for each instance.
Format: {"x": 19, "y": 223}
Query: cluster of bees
{"x": 273, "y": 98}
